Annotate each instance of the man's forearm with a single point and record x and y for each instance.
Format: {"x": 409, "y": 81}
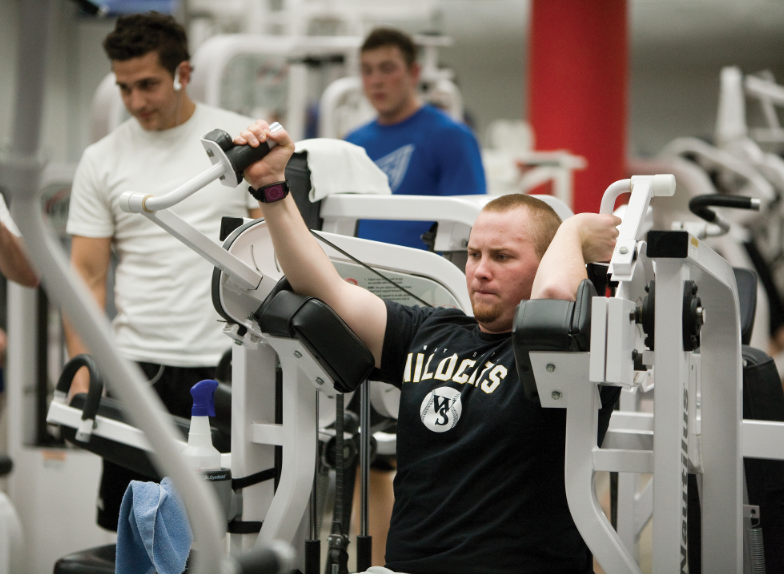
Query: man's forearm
{"x": 562, "y": 267}
{"x": 14, "y": 264}
{"x": 74, "y": 344}
{"x": 581, "y": 239}
{"x": 90, "y": 260}
{"x": 305, "y": 264}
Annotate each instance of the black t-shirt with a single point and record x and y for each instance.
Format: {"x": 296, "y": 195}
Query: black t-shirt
{"x": 480, "y": 480}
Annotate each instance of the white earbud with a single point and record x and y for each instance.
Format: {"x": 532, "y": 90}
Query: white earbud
{"x": 177, "y": 84}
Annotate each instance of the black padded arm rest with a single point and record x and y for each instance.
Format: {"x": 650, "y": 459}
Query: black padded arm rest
{"x": 324, "y": 334}
{"x": 550, "y": 325}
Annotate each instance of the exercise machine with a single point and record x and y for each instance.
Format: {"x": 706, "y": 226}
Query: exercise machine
{"x": 674, "y": 317}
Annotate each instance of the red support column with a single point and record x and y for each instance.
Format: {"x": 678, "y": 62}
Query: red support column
{"x": 577, "y": 88}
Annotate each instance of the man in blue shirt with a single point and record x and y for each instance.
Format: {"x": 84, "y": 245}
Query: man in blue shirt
{"x": 421, "y": 149}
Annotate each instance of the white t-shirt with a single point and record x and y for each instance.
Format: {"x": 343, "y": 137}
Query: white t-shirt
{"x": 163, "y": 289}
{"x": 5, "y": 218}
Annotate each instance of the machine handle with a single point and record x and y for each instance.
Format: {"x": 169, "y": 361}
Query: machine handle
{"x": 96, "y": 383}
{"x": 699, "y": 205}
{"x": 242, "y": 156}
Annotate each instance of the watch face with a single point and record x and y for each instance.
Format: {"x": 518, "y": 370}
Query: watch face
{"x": 275, "y": 192}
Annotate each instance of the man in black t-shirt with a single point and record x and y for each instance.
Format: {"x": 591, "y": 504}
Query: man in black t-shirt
{"x": 480, "y": 480}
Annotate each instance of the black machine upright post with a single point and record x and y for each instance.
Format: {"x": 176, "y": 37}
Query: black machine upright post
{"x": 337, "y": 556}
{"x": 364, "y": 540}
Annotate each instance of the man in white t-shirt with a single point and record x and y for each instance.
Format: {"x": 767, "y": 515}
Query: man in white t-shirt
{"x": 165, "y": 319}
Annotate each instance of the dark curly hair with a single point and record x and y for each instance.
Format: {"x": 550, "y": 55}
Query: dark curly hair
{"x": 383, "y": 37}
{"x": 138, "y": 34}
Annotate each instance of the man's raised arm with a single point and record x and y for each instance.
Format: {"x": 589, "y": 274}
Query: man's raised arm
{"x": 305, "y": 264}
{"x": 581, "y": 239}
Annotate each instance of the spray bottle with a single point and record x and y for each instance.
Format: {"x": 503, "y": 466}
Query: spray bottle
{"x": 204, "y": 457}
{"x": 200, "y": 453}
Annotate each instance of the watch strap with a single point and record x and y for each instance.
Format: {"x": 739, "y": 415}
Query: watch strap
{"x": 272, "y": 192}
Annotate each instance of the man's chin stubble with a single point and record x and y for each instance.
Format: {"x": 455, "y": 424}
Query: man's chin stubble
{"x": 486, "y": 313}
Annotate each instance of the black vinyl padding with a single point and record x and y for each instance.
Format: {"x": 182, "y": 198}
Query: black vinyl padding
{"x": 747, "y": 296}
{"x": 98, "y": 560}
{"x": 343, "y": 356}
{"x": 550, "y": 325}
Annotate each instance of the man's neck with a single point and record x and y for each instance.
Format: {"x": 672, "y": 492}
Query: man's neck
{"x": 401, "y": 114}
{"x": 185, "y": 110}
{"x": 188, "y": 108}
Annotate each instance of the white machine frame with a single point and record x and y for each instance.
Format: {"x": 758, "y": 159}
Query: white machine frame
{"x": 696, "y": 425}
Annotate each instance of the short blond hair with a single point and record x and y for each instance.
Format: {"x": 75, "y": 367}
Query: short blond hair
{"x": 544, "y": 220}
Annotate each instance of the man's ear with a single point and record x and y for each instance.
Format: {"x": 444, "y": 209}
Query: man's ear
{"x": 185, "y": 70}
{"x": 415, "y": 70}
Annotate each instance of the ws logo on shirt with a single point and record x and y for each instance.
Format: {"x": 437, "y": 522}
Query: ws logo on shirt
{"x": 441, "y": 409}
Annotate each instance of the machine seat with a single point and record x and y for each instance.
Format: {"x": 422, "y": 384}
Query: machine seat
{"x": 324, "y": 334}
{"x": 98, "y": 560}
{"x": 550, "y": 325}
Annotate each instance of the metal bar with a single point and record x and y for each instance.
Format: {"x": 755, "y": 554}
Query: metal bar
{"x": 314, "y": 533}
{"x": 241, "y": 273}
{"x": 364, "y": 456}
{"x": 763, "y": 439}
{"x": 187, "y": 189}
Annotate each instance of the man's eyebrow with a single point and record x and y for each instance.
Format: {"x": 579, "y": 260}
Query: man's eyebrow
{"x": 137, "y": 82}
{"x": 492, "y": 250}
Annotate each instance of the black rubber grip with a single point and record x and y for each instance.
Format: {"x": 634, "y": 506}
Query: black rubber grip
{"x": 242, "y": 156}
{"x": 699, "y": 205}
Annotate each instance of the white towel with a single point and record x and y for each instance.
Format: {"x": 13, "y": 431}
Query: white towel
{"x": 337, "y": 166}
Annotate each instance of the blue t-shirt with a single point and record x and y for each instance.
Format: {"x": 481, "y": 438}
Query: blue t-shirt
{"x": 426, "y": 154}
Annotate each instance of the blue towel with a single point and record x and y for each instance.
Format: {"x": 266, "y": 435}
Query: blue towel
{"x": 153, "y": 533}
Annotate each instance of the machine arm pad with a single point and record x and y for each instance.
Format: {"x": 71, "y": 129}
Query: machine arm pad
{"x": 343, "y": 356}
{"x": 550, "y": 325}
